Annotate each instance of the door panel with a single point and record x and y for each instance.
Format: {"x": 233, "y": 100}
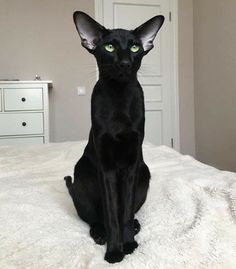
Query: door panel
{"x": 153, "y": 93}
{"x": 154, "y": 74}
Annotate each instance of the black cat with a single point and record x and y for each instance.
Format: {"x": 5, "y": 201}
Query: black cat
{"x": 111, "y": 179}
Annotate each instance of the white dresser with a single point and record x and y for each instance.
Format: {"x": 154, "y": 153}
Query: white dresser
{"x": 24, "y": 111}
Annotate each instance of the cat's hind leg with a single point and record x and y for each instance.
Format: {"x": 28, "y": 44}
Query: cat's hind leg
{"x": 142, "y": 186}
{"x": 87, "y": 201}
{"x": 141, "y": 192}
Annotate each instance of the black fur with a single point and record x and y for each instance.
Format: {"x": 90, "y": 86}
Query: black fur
{"x": 111, "y": 179}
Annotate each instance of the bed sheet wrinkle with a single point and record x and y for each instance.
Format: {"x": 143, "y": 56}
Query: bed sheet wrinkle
{"x": 188, "y": 220}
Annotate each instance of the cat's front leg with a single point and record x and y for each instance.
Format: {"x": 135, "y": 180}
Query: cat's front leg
{"x": 109, "y": 193}
{"x": 131, "y": 158}
{"x": 114, "y": 251}
{"x": 127, "y": 215}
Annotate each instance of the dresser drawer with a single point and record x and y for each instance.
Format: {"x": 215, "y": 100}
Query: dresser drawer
{"x": 23, "y": 99}
{"x": 21, "y": 123}
{"x": 21, "y": 141}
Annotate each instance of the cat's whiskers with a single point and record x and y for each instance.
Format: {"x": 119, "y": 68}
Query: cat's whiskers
{"x": 141, "y": 72}
{"x": 89, "y": 77}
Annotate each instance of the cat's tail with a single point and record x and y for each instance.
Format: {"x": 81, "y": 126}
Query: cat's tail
{"x": 68, "y": 180}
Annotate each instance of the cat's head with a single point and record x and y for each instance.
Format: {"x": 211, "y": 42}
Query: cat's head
{"x": 118, "y": 52}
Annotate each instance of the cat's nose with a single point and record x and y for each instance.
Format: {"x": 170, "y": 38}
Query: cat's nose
{"x": 125, "y": 64}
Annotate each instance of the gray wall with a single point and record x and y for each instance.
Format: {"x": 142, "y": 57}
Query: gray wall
{"x": 38, "y": 37}
{"x": 186, "y": 77}
{"x": 215, "y": 82}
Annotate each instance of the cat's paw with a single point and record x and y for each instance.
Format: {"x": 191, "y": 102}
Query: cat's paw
{"x": 98, "y": 233}
{"x": 114, "y": 256}
{"x": 137, "y": 227}
{"x": 129, "y": 247}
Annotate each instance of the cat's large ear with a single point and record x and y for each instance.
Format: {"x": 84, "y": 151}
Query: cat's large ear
{"x": 89, "y": 30}
{"x": 148, "y": 30}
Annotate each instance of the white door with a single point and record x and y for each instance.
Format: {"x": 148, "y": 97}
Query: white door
{"x": 155, "y": 73}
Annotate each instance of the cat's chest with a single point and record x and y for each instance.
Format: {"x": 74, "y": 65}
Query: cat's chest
{"x": 118, "y": 102}
{"x": 114, "y": 105}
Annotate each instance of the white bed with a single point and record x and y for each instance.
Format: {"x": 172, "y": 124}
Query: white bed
{"x": 188, "y": 220}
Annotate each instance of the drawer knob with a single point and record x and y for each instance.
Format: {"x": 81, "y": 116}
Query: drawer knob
{"x": 23, "y": 99}
{"x": 23, "y": 123}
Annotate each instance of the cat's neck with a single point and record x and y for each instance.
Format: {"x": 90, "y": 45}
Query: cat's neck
{"x": 117, "y": 89}
{"x": 121, "y": 83}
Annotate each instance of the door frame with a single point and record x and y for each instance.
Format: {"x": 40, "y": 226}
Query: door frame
{"x": 173, "y": 5}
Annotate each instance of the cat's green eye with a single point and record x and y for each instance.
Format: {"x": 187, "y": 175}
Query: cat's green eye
{"x": 135, "y": 48}
{"x": 109, "y": 48}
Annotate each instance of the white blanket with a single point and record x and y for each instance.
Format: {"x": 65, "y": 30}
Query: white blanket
{"x": 188, "y": 220}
